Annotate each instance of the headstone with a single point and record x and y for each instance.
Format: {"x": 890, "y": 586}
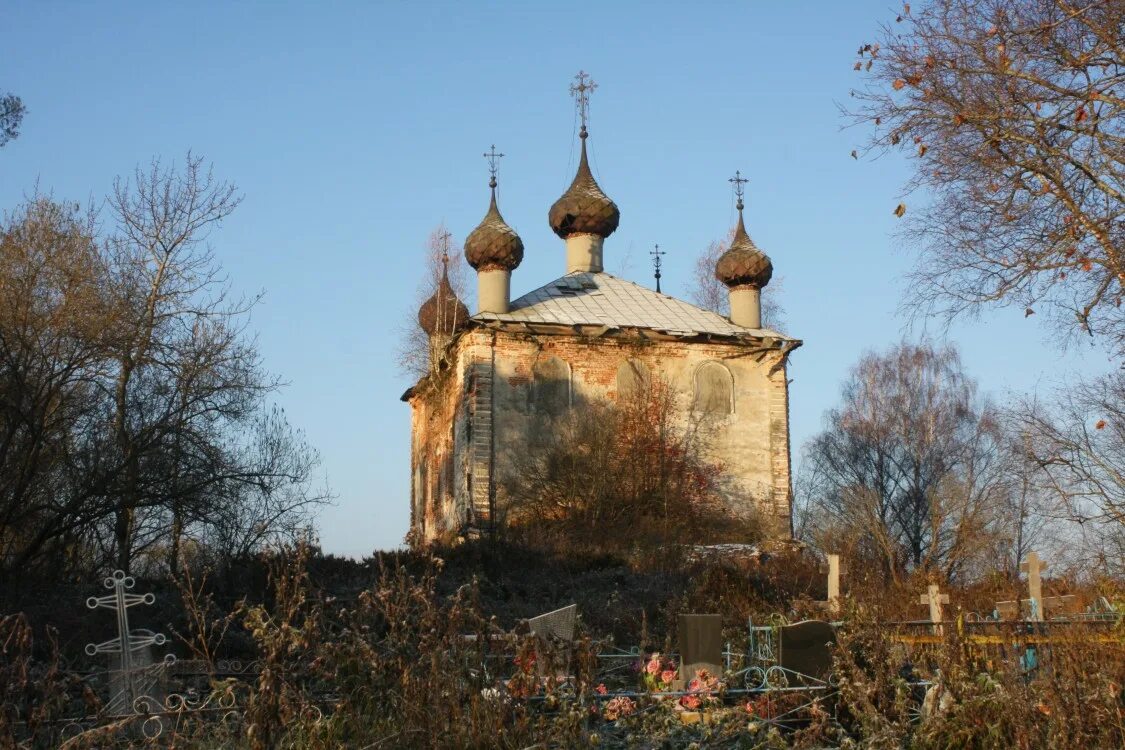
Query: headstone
{"x": 934, "y": 598}
{"x": 701, "y": 645}
{"x": 834, "y": 584}
{"x": 806, "y": 648}
{"x": 558, "y": 624}
{"x": 552, "y": 660}
{"x": 1033, "y": 566}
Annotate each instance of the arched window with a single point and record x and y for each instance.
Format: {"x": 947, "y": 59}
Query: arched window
{"x": 714, "y": 389}
{"x": 550, "y": 386}
{"x": 632, "y": 378}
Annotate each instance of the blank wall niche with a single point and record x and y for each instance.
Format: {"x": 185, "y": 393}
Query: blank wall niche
{"x": 714, "y": 389}
{"x": 550, "y": 386}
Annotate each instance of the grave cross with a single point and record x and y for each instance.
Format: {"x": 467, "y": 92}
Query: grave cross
{"x": 1033, "y": 566}
{"x": 127, "y": 641}
{"x": 935, "y": 599}
{"x": 834, "y": 583}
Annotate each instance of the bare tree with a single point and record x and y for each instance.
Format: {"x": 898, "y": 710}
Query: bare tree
{"x": 54, "y": 308}
{"x": 910, "y": 466}
{"x": 134, "y": 404}
{"x": 414, "y": 353}
{"x": 1013, "y": 113}
{"x": 1078, "y": 443}
{"x": 11, "y": 115}
{"x": 612, "y": 473}
{"x": 711, "y": 294}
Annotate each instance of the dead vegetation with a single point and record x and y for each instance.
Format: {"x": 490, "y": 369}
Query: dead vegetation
{"x": 406, "y": 651}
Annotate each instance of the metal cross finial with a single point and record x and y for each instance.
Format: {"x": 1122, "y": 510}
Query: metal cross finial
{"x": 656, "y": 252}
{"x": 581, "y": 93}
{"x": 738, "y": 181}
{"x": 493, "y": 165}
{"x": 444, "y": 238}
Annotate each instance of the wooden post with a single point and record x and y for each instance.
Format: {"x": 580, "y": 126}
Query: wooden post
{"x": 935, "y": 599}
{"x": 834, "y": 584}
{"x": 1033, "y": 566}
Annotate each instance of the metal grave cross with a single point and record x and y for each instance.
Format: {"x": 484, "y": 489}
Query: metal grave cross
{"x": 127, "y": 642}
{"x": 1033, "y": 566}
{"x": 935, "y": 599}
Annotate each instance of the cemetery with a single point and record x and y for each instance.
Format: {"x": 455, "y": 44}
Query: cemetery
{"x": 778, "y": 404}
{"x": 782, "y": 678}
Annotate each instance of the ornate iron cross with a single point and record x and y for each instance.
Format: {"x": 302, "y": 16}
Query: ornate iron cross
{"x": 127, "y": 641}
{"x": 738, "y": 181}
{"x": 581, "y": 92}
{"x": 656, "y": 252}
{"x": 493, "y": 164}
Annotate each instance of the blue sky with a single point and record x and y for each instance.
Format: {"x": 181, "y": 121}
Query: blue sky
{"x": 354, "y": 128}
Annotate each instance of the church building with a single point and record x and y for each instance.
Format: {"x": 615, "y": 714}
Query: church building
{"x": 588, "y": 335}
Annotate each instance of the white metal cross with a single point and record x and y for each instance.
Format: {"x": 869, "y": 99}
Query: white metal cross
{"x": 127, "y": 641}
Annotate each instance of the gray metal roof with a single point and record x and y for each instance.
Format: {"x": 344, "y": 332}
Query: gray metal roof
{"x": 600, "y": 299}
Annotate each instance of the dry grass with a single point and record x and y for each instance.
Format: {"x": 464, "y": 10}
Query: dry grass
{"x": 392, "y": 667}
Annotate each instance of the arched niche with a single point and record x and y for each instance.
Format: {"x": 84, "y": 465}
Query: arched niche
{"x": 632, "y": 378}
{"x": 550, "y": 386}
{"x": 714, "y": 389}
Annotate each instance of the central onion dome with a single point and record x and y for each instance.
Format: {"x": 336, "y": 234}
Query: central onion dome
{"x": 443, "y": 313}
{"x": 493, "y": 245}
{"x": 584, "y": 208}
{"x": 743, "y": 264}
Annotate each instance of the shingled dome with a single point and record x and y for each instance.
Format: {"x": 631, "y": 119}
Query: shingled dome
{"x": 584, "y": 208}
{"x": 493, "y": 245}
{"x": 443, "y": 313}
{"x": 743, "y": 264}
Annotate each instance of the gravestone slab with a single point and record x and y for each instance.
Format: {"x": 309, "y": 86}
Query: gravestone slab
{"x": 701, "y": 645}
{"x": 557, "y": 624}
{"x": 806, "y": 648}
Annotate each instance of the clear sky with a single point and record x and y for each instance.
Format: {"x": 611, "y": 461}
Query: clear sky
{"x": 354, "y": 128}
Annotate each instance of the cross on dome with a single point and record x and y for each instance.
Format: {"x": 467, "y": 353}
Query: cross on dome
{"x": 493, "y": 165}
{"x": 738, "y": 181}
{"x": 581, "y": 92}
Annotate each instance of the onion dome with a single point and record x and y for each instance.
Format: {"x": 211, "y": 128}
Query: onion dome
{"x": 443, "y": 313}
{"x": 584, "y": 208}
{"x": 493, "y": 245}
{"x": 743, "y": 264}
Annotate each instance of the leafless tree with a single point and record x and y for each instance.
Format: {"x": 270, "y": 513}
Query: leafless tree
{"x": 1013, "y": 113}
{"x": 1077, "y": 441}
{"x": 415, "y": 355}
{"x": 910, "y": 466}
{"x": 134, "y": 402}
{"x": 613, "y": 473}
{"x": 54, "y": 309}
{"x": 711, "y": 294}
{"x": 11, "y": 115}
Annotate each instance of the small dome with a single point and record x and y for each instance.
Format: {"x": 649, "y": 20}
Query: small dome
{"x": 443, "y": 313}
{"x": 584, "y": 208}
{"x": 743, "y": 264}
{"x": 493, "y": 244}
